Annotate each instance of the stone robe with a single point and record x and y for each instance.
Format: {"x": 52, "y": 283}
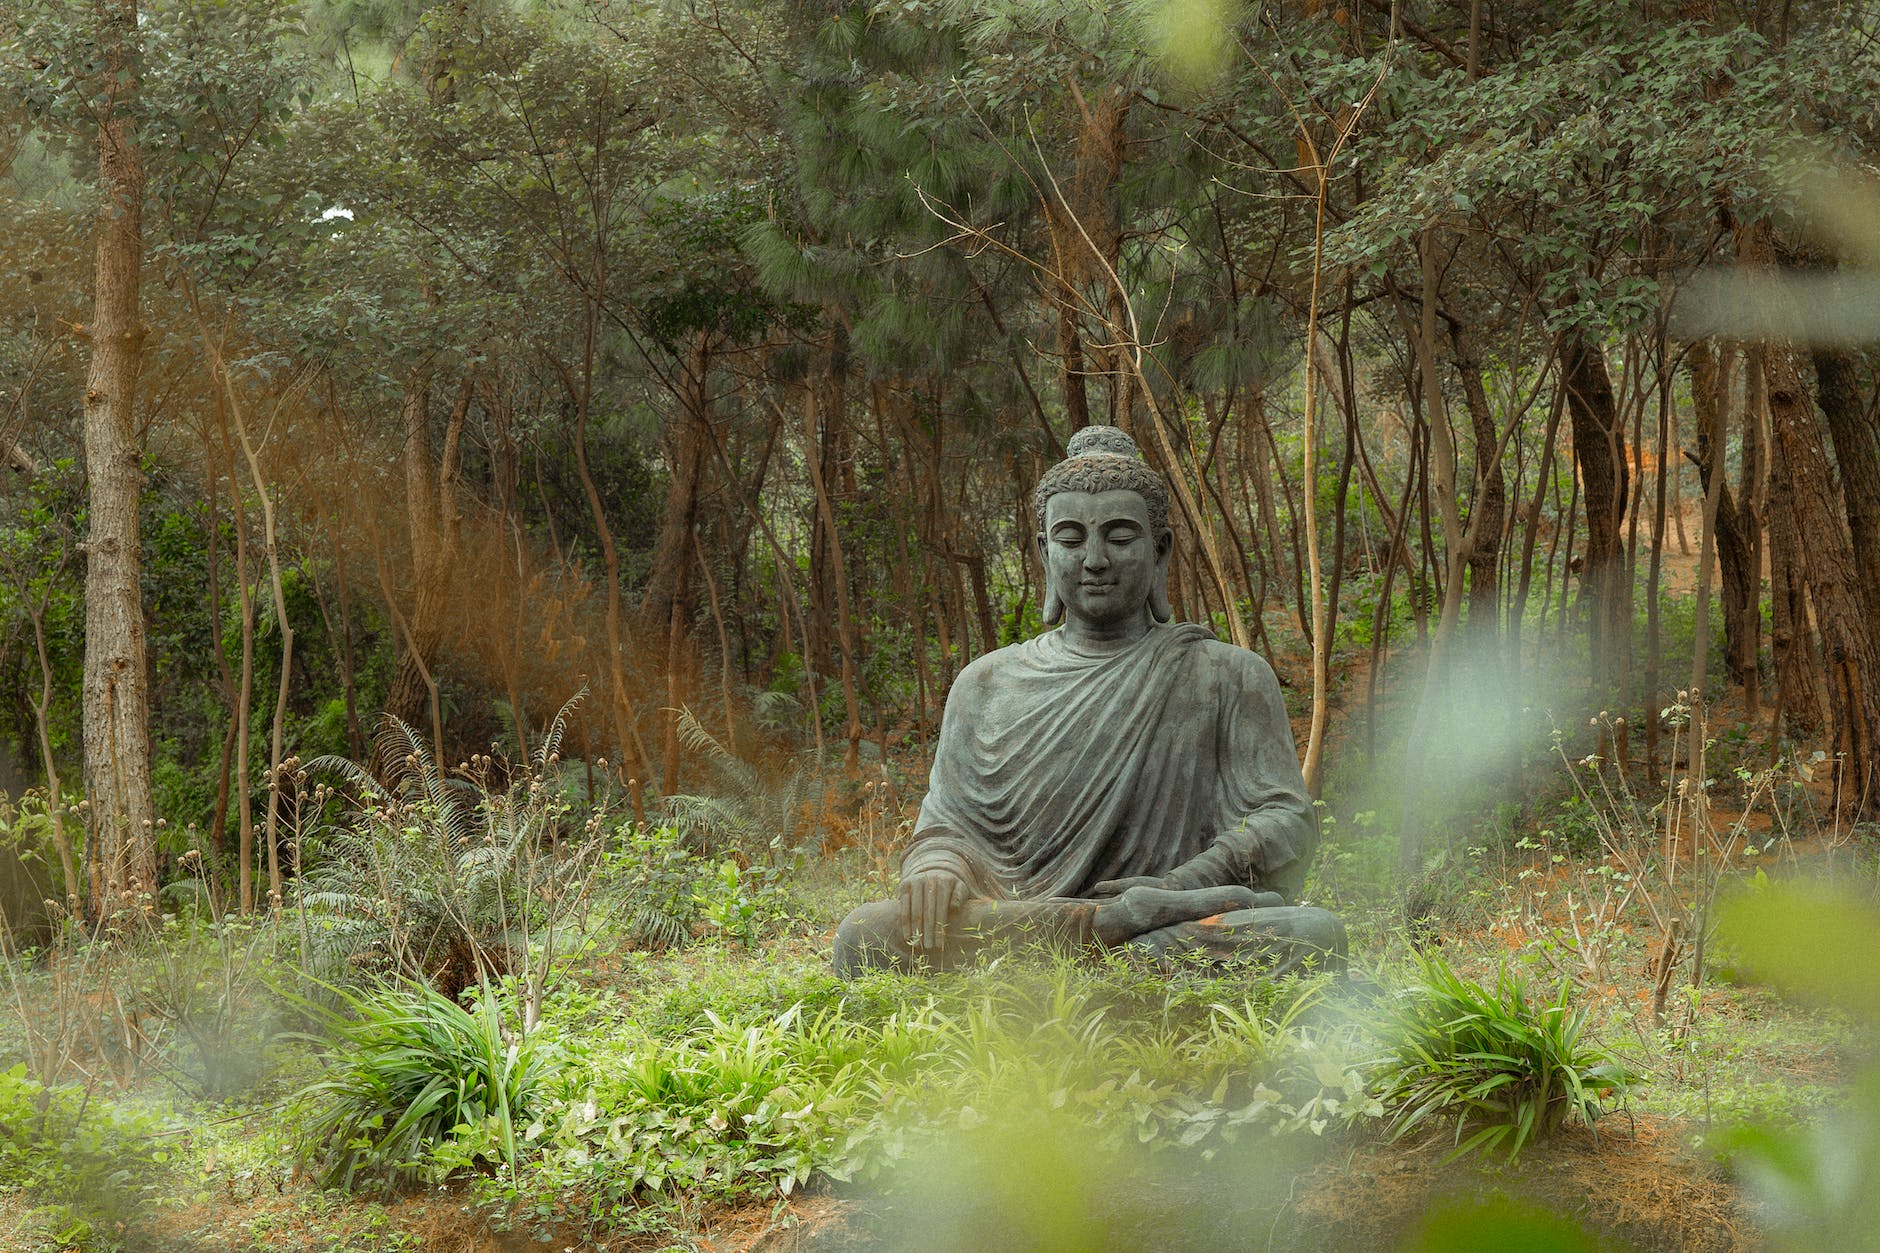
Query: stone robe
{"x": 1171, "y": 756}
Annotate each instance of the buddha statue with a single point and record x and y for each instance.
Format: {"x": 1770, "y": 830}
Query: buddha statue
{"x": 1120, "y": 782}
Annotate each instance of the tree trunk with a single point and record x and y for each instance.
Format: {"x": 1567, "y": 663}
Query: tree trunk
{"x": 245, "y": 687}
{"x": 1599, "y": 448}
{"x": 218, "y": 818}
{"x": 1488, "y": 508}
{"x": 1799, "y": 691}
{"x": 116, "y": 680}
{"x": 55, "y": 794}
{"x": 1543, "y": 479}
{"x": 668, "y": 578}
{"x": 1256, "y": 436}
{"x": 1710, "y": 395}
{"x": 1833, "y": 579}
{"x": 814, "y": 447}
{"x": 1828, "y": 564}
{"x": 666, "y": 606}
{"x": 1857, "y": 454}
{"x": 435, "y": 526}
{"x": 1752, "y": 511}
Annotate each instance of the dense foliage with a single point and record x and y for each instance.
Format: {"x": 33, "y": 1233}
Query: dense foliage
{"x": 707, "y": 353}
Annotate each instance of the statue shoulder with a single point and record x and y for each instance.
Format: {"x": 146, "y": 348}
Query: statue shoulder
{"x": 984, "y": 670}
{"x": 1241, "y": 666}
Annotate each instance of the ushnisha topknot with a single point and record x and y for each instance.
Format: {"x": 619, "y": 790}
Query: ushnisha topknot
{"x": 1108, "y": 439}
{"x": 1102, "y": 459}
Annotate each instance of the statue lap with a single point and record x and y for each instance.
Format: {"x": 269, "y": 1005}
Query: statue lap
{"x": 1275, "y": 940}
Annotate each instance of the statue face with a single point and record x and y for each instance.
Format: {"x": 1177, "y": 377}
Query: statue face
{"x": 1100, "y": 556}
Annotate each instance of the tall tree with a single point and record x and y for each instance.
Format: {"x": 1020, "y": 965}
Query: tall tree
{"x": 116, "y": 686}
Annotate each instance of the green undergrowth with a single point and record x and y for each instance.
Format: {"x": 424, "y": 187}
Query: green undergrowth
{"x": 84, "y": 1168}
{"x": 755, "y": 1081}
{"x": 701, "y": 1080}
{"x": 654, "y": 1089}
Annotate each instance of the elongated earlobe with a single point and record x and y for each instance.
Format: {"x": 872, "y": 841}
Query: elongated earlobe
{"x": 1053, "y": 607}
{"x": 1158, "y": 587}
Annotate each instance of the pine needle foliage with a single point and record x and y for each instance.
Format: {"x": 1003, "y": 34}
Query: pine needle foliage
{"x": 1508, "y": 1069}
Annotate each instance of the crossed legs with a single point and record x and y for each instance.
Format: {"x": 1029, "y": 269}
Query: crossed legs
{"x": 1222, "y": 924}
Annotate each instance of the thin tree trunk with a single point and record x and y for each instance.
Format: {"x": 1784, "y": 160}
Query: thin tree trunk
{"x": 1799, "y": 690}
{"x": 244, "y": 800}
{"x": 812, "y": 452}
{"x": 1857, "y": 455}
{"x": 348, "y": 671}
{"x": 1488, "y": 507}
{"x": 435, "y": 523}
{"x": 1741, "y": 581}
{"x": 1753, "y": 512}
{"x": 55, "y": 808}
{"x": 276, "y": 745}
{"x": 225, "y": 764}
{"x": 724, "y": 649}
{"x": 1544, "y": 479}
{"x": 1254, "y": 449}
{"x": 1652, "y": 638}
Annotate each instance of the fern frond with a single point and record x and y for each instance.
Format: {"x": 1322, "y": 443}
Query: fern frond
{"x": 551, "y": 741}
{"x": 734, "y": 769}
{"x": 351, "y": 773}
{"x": 653, "y": 928}
{"x": 404, "y": 751}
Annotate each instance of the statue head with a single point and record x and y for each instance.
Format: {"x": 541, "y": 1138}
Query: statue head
{"x": 1103, "y": 461}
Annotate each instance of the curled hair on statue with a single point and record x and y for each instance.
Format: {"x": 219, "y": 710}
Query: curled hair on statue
{"x": 1104, "y": 459}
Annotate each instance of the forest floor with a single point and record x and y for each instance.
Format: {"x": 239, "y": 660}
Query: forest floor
{"x": 1650, "y": 1176}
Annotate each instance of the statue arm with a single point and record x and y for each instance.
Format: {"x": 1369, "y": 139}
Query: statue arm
{"x": 1269, "y": 825}
{"x": 944, "y": 842}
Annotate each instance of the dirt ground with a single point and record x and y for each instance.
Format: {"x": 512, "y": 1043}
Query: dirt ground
{"x": 1634, "y": 1187}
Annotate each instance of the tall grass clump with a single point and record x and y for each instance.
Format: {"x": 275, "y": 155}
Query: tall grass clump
{"x": 1506, "y": 1068}
{"x": 413, "y": 1073}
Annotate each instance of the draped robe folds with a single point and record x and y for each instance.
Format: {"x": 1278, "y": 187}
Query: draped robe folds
{"x": 1059, "y": 767}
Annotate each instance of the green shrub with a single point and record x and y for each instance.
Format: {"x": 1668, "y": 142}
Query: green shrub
{"x": 1493, "y": 1060}
{"x": 419, "y": 1084}
{"x": 88, "y": 1168}
{"x": 652, "y": 879}
{"x": 203, "y": 984}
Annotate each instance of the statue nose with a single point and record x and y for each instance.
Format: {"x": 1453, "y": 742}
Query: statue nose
{"x": 1096, "y": 555}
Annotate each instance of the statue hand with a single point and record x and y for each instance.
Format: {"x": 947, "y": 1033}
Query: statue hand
{"x": 928, "y": 899}
{"x": 1116, "y": 887}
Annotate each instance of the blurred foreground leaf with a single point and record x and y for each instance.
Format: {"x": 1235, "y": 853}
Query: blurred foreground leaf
{"x": 1496, "y": 1225}
{"x": 1797, "y": 938}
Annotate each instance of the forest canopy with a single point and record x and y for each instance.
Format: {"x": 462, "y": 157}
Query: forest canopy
{"x": 362, "y": 358}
